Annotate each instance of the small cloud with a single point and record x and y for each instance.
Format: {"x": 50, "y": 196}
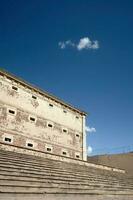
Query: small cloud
{"x": 63, "y": 45}
{"x": 70, "y": 43}
{"x": 95, "y": 45}
{"x": 90, "y": 130}
{"x": 89, "y": 150}
{"x": 84, "y": 43}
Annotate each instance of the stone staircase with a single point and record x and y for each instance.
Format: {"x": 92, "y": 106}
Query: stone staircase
{"x": 22, "y": 174}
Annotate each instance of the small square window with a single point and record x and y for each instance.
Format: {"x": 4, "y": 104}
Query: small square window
{"x": 77, "y": 135}
{"x": 51, "y": 105}
{"x": 32, "y": 119}
{"x": 29, "y": 145}
{"x": 50, "y": 125}
{"x": 64, "y": 111}
{"x": 64, "y": 153}
{"x": 64, "y": 130}
{"x": 11, "y": 112}
{"x": 77, "y": 156}
{"x": 8, "y": 139}
{"x": 15, "y": 88}
{"x": 34, "y": 97}
{"x": 49, "y": 149}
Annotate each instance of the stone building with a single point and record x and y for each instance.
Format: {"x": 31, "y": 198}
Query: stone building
{"x": 31, "y": 118}
{"x": 43, "y": 150}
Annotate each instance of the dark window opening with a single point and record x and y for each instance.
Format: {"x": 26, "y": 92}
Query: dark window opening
{"x": 8, "y": 139}
{"x": 12, "y": 112}
{"x": 77, "y": 156}
{"x": 34, "y": 97}
{"x": 64, "y": 130}
{"x": 50, "y": 125}
{"x": 48, "y": 149}
{"x": 64, "y": 111}
{"x": 32, "y": 119}
{"x": 51, "y": 105}
{"x": 77, "y": 117}
{"x": 64, "y": 153}
{"x": 77, "y": 135}
{"x": 30, "y": 145}
{"x": 14, "y": 88}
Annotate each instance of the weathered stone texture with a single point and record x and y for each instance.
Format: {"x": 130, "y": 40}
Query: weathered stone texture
{"x": 43, "y": 111}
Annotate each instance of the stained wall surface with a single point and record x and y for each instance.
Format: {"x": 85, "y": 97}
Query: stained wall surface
{"x": 31, "y": 120}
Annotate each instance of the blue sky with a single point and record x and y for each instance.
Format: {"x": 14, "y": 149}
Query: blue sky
{"x": 97, "y": 80}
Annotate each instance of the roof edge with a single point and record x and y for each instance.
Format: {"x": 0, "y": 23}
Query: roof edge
{"x": 42, "y": 92}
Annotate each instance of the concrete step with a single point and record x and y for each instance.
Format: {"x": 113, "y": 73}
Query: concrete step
{"x": 47, "y": 183}
{"x": 6, "y": 171}
{"x": 37, "y": 166}
{"x": 55, "y": 172}
{"x": 24, "y": 173}
{"x": 49, "y": 162}
{"x": 73, "y": 174}
{"x": 83, "y": 172}
{"x": 97, "y": 176}
{"x": 42, "y": 179}
{"x": 61, "y": 164}
{"x": 21, "y": 169}
{"x": 44, "y": 160}
{"x": 82, "y": 181}
{"x": 60, "y": 190}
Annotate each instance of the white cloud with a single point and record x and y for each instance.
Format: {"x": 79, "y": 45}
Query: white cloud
{"x": 70, "y": 43}
{"x": 64, "y": 44}
{"x": 84, "y": 43}
{"x": 90, "y": 130}
{"x": 95, "y": 45}
{"x": 89, "y": 150}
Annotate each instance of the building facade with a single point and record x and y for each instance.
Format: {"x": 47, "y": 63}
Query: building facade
{"x": 33, "y": 119}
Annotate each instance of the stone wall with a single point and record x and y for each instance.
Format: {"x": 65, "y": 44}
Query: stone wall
{"x": 31, "y": 120}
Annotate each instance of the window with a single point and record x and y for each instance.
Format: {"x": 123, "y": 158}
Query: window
{"x": 32, "y": 119}
{"x": 34, "y": 97}
{"x": 64, "y": 111}
{"x": 51, "y": 105}
{"x": 29, "y": 145}
{"x": 77, "y": 156}
{"x": 11, "y": 112}
{"x": 77, "y": 117}
{"x": 64, "y": 153}
{"x": 7, "y": 139}
{"x": 64, "y": 130}
{"x": 14, "y": 88}
{"x": 77, "y": 135}
{"x": 50, "y": 125}
{"x": 49, "y": 149}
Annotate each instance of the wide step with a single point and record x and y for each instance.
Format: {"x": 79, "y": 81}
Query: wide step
{"x": 21, "y": 173}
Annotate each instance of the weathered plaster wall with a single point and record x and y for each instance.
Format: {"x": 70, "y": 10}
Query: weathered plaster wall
{"x": 23, "y": 130}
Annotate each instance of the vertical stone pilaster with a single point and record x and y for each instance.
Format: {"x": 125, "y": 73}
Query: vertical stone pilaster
{"x": 84, "y": 141}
